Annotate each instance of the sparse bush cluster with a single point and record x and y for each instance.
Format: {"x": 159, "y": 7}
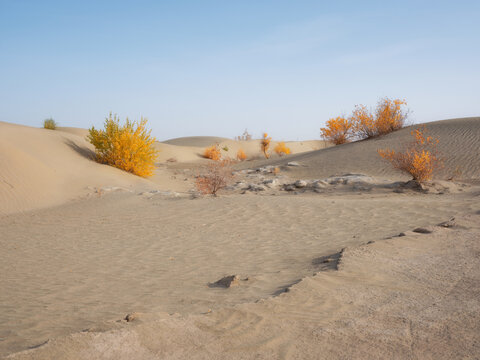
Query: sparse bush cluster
{"x": 420, "y": 159}
{"x": 49, "y": 124}
{"x": 129, "y": 147}
{"x": 389, "y": 116}
{"x": 216, "y": 177}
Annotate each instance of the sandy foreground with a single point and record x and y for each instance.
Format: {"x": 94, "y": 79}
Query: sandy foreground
{"x": 322, "y": 271}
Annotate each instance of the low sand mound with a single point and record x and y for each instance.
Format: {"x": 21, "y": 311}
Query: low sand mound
{"x": 195, "y": 141}
{"x": 459, "y": 145}
{"x": 40, "y": 168}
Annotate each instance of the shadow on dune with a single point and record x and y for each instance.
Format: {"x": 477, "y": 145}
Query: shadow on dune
{"x": 82, "y": 150}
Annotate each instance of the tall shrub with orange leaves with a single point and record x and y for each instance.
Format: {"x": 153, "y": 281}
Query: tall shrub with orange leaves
{"x": 338, "y": 130}
{"x": 420, "y": 159}
{"x": 265, "y": 144}
{"x": 389, "y": 116}
{"x": 216, "y": 177}
{"x": 212, "y": 152}
{"x": 282, "y": 149}
{"x": 129, "y": 147}
{"x": 241, "y": 156}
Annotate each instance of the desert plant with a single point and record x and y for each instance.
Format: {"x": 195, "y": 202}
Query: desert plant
{"x": 129, "y": 147}
{"x": 282, "y": 149}
{"x": 241, "y": 156}
{"x": 265, "y": 144}
{"x": 420, "y": 159}
{"x": 216, "y": 177}
{"x": 225, "y": 148}
{"x": 212, "y": 152}
{"x": 244, "y": 137}
{"x": 389, "y": 116}
{"x": 338, "y": 130}
{"x": 49, "y": 124}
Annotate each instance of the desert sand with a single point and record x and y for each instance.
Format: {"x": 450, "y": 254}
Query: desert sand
{"x": 329, "y": 269}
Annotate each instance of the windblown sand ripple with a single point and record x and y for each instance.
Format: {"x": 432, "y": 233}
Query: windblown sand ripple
{"x": 72, "y": 267}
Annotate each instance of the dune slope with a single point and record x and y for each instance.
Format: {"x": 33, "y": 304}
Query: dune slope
{"x": 40, "y": 168}
{"x": 459, "y": 145}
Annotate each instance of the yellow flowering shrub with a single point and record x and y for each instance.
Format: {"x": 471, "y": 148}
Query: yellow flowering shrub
{"x": 129, "y": 147}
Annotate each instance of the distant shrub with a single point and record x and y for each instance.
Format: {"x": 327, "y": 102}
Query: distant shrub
{"x": 49, "y": 124}
{"x": 129, "y": 147}
{"x": 338, "y": 130}
{"x": 212, "y": 152}
{"x": 244, "y": 137}
{"x": 389, "y": 116}
{"x": 420, "y": 159}
{"x": 265, "y": 144}
{"x": 282, "y": 149}
{"x": 225, "y": 148}
{"x": 215, "y": 178}
{"x": 241, "y": 156}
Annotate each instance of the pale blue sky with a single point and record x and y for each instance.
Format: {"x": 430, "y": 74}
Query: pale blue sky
{"x": 218, "y": 67}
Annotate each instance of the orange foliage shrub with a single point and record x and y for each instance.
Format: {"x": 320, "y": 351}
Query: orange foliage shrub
{"x": 363, "y": 123}
{"x": 265, "y": 144}
{"x": 337, "y": 130}
{"x": 420, "y": 159}
{"x": 282, "y": 149}
{"x": 215, "y": 178}
{"x": 128, "y": 147}
{"x": 212, "y": 152}
{"x": 389, "y": 116}
{"x": 241, "y": 156}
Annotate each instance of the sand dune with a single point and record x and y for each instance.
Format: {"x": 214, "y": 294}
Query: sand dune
{"x": 189, "y": 149}
{"x": 75, "y": 261}
{"x": 195, "y": 141}
{"x": 73, "y": 130}
{"x": 40, "y": 168}
{"x": 459, "y": 145}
